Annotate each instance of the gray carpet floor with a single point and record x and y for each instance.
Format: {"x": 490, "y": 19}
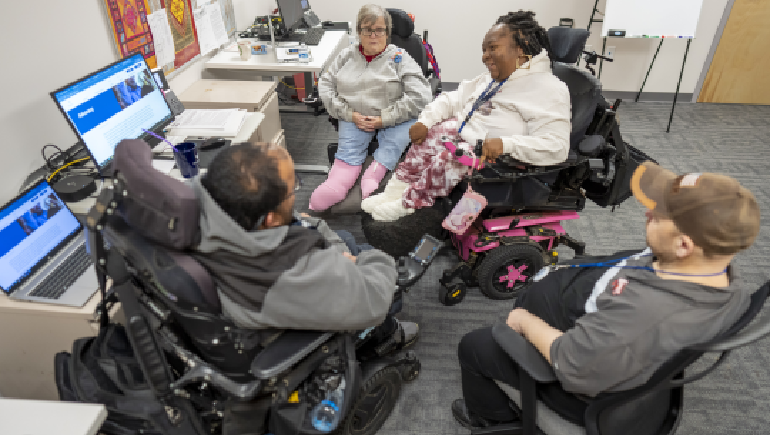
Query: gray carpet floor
{"x": 729, "y": 139}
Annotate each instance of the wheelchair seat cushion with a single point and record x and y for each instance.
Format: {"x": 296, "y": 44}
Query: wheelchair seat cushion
{"x": 165, "y": 208}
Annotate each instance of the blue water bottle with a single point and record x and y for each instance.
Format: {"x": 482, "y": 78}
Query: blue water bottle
{"x": 325, "y": 417}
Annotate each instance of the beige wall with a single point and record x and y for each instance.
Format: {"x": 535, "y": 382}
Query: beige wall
{"x": 457, "y": 28}
{"x": 49, "y": 43}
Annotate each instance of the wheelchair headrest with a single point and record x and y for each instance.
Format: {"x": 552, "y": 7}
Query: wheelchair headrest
{"x": 567, "y": 43}
{"x": 403, "y": 26}
{"x": 165, "y": 209}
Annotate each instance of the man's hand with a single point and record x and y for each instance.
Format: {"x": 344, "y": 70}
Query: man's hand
{"x": 417, "y": 133}
{"x": 534, "y": 330}
{"x": 350, "y": 257}
{"x": 492, "y": 149}
{"x": 516, "y": 319}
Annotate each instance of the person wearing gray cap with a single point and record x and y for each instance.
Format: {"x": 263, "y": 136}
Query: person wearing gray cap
{"x": 607, "y": 324}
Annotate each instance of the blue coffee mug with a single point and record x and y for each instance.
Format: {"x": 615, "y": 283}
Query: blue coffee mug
{"x": 186, "y": 157}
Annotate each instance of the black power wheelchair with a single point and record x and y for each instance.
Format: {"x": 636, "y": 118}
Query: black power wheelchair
{"x": 518, "y": 231}
{"x": 176, "y": 365}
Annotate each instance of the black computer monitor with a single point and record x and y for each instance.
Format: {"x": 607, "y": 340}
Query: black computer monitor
{"x": 118, "y": 102}
{"x": 293, "y": 12}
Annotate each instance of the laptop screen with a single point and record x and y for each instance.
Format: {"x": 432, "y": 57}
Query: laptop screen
{"x": 32, "y": 229}
{"x": 116, "y": 103}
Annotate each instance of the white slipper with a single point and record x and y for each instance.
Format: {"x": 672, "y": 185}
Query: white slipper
{"x": 391, "y": 211}
{"x": 393, "y": 192}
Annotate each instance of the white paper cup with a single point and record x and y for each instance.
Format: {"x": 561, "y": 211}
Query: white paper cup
{"x": 244, "y": 48}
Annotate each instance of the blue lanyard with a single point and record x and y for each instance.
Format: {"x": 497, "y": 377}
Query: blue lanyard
{"x": 483, "y": 98}
{"x": 614, "y": 263}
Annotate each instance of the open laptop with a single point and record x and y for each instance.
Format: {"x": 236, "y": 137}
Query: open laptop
{"x": 43, "y": 255}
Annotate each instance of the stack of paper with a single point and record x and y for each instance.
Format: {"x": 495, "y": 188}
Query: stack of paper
{"x": 208, "y": 122}
{"x": 210, "y": 27}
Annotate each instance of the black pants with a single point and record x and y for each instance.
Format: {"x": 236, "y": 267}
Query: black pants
{"x": 482, "y": 360}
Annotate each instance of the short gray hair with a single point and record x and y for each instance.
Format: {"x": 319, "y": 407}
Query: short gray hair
{"x": 371, "y": 12}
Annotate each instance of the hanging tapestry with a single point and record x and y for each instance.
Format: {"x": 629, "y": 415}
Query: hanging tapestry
{"x": 180, "y": 20}
{"x": 128, "y": 19}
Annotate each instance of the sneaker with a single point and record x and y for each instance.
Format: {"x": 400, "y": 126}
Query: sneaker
{"x": 468, "y": 419}
{"x": 406, "y": 334}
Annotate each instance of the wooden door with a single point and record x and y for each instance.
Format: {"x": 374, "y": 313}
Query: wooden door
{"x": 740, "y": 70}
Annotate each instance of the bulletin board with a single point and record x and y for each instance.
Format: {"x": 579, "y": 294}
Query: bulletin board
{"x": 128, "y": 21}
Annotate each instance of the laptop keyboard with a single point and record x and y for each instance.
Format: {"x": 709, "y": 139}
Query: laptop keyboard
{"x": 58, "y": 281}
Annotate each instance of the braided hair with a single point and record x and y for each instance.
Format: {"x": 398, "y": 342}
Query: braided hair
{"x": 526, "y": 32}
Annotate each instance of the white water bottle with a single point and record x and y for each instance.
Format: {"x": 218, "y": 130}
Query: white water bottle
{"x": 325, "y": 417}
{"x": 304, "y": 53}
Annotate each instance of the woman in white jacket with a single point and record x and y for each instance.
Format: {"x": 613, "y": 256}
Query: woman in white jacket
{"x": 518, "y": 107}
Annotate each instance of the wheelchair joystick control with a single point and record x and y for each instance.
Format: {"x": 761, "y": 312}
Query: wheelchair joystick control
{"x": 479, "y": 149}
{"x": 403, "y": 271}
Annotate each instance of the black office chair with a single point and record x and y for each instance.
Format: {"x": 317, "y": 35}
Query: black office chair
{"x": 178, "y": 366}
{"x": 654, "y": 408}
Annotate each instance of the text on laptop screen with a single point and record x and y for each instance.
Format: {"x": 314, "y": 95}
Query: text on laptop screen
{"x": 114, "y": 104}
{"x": 31, "y": 228}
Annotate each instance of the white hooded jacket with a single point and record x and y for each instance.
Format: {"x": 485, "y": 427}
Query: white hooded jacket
{"x": 530, "y": 113}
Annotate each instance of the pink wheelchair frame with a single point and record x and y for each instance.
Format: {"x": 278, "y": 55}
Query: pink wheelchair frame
{"x": 501, "y": 254}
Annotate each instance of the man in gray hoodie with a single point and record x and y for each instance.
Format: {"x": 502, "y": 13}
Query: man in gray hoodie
{"x": 271, "y": 273}
{"x": 608, "y": 324}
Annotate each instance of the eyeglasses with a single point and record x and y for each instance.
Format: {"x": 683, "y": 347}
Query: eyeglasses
{"x": 376, "y": 32}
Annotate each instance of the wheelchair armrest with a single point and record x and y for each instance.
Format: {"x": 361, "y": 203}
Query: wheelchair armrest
{"x": 523, "y": 353}
{"x": 286, "y": 351}
{"x": 591, "y": 145}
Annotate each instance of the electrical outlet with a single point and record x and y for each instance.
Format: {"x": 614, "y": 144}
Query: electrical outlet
{"x": 588, "y": 47}
{"x": 611, "y": 52}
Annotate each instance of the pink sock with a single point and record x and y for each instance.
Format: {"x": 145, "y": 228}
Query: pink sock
{"x": 372, "y": 178}
{"x": 341, "y": 178}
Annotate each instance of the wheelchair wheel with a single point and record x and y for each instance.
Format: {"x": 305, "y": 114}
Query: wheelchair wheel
{"x": 507, "y": 270}
{"x": 373, "y": 404}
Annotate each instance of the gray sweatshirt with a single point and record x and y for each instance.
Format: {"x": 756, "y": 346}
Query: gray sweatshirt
{"x": 291, "y": 277}
{"x": 393, "y": 89}
{"x": 635, "y": 321}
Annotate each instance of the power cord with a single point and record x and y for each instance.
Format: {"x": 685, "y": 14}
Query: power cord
{"x": 66, "y": 165}
{"x": 60, "y": 160}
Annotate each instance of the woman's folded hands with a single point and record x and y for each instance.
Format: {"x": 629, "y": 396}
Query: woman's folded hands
{"x": 367, "y": 123}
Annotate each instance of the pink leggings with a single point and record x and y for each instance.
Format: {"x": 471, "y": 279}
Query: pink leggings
{"x": 429, "y": 168}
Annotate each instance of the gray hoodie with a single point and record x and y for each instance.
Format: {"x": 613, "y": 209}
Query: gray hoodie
{"x": 390, "y": 87}
{"x": 291, "y": 277}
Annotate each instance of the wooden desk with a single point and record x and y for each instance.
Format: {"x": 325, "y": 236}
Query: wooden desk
{"x": 38, "y": 417}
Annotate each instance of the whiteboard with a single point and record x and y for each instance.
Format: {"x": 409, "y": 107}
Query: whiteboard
{"x": 652, "y": 18}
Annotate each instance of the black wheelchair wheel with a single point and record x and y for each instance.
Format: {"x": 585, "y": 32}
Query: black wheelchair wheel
{"x": 374, "y": 403}
{"x": 507, "y": 270}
